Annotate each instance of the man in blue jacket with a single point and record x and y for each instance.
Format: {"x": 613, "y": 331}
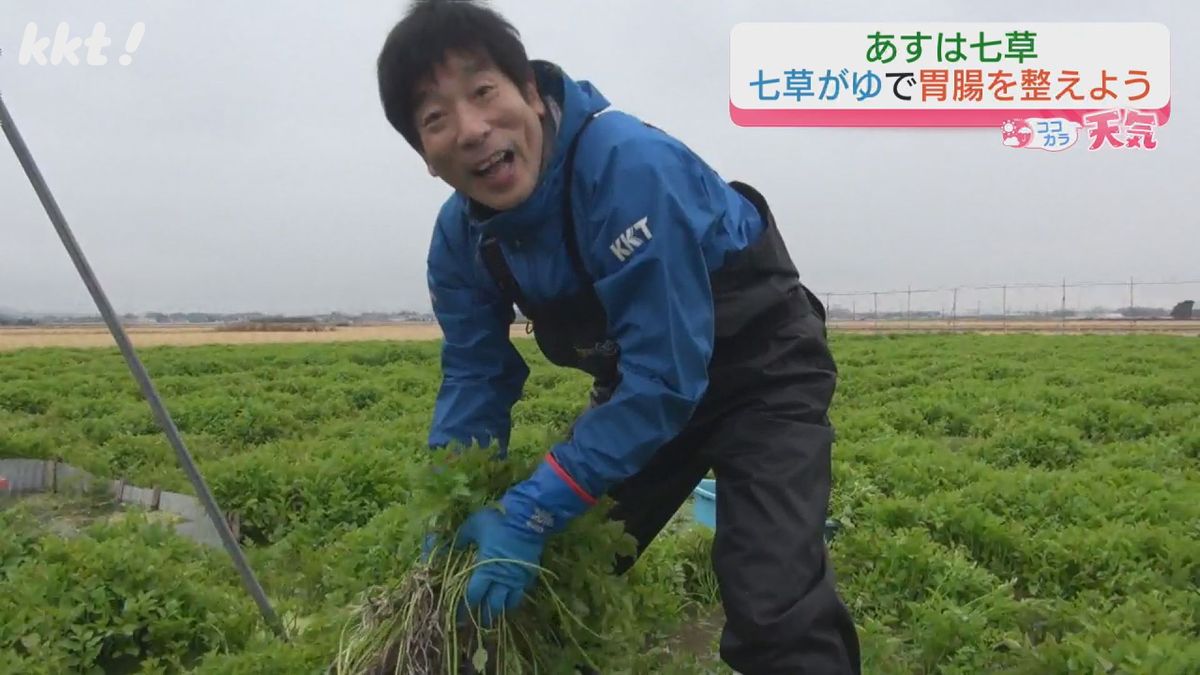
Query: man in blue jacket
{"x": 639, "y": 265}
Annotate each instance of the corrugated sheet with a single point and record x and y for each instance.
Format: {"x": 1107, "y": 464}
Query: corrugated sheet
{"x": 27, "y": 476}
{"x": 24, "y": 475}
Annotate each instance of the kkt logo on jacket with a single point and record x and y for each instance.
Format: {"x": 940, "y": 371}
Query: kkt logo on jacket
{"x": 630, "y": 239}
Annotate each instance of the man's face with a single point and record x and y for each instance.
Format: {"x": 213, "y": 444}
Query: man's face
{"x": 480, "y": 133}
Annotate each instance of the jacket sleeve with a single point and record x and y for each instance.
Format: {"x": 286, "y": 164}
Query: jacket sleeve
{"x": 651, "y": 207}
{"x": 482, "y": 372}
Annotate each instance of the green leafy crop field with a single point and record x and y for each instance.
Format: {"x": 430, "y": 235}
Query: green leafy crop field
{"x": 1016, "y": 504}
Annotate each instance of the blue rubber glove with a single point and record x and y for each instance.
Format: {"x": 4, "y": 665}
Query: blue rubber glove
{"x": 498, "y": 587}
{"x": 531, "y": 511}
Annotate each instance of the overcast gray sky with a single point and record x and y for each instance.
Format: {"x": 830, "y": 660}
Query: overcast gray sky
{"x": 242, "y": 162}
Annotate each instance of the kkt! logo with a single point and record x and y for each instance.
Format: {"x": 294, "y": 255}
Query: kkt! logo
{"x": 64, "y": 47}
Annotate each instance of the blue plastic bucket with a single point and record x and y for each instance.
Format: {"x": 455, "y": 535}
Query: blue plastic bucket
{"x": 705, "y": 502}
{"x": 704, "y": 507}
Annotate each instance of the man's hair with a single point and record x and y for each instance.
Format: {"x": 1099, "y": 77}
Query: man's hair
{"x": 423, "y": 39}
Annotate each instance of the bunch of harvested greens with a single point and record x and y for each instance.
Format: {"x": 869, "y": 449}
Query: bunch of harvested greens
{"x": 577, "y": 613}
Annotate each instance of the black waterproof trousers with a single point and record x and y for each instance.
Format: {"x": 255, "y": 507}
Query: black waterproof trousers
{"x": 763, "y": 427}
{"x": 767, "y": 436}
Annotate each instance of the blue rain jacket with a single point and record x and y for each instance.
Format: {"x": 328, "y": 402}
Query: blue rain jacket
{"x": 653, "y": 221}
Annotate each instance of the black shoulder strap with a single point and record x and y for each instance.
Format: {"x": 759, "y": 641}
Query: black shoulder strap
{"x": 493, "y": 257}
{"x": 497, "y": 266}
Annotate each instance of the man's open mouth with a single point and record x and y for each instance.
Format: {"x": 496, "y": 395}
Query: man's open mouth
{"x": 493, "y": 163}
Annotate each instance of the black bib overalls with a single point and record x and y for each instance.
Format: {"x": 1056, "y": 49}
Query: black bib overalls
{"x": 762, "y": 427}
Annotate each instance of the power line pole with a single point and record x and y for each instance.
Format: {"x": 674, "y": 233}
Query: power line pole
{"x": 954, "y": 310}
{"x": 1062, "y": 322}
{"x": 1132, "y": 316}
{"x": 1004, "y": 310}
{"x": 908, "y": 309}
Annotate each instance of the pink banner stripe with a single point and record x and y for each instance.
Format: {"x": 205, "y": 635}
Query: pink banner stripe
{"x": 985, "y": 117}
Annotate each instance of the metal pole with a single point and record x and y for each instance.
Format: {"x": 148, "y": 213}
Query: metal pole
{"x": 135, "y": 365}
{"x": 875, "y": 295}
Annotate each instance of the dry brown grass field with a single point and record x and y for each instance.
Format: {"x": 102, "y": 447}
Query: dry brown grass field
{"x": 183, "y": 335}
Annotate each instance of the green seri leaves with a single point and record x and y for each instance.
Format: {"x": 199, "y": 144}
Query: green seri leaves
{"x": 1014, "y": 504}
